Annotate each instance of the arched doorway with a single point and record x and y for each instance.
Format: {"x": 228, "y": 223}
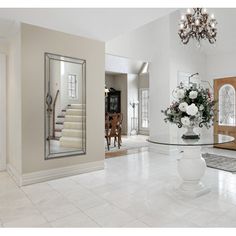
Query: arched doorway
{"x": 225, "y": 122}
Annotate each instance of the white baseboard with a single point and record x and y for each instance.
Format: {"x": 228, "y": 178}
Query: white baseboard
{"x": 14, "y": 174}
{"x": 45, "y": 175}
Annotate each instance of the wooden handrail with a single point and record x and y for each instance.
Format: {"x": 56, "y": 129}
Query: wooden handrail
{"x": 53, "y": 115}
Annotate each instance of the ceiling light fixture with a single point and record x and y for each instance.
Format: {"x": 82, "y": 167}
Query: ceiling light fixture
{"x": 198, "y": 25}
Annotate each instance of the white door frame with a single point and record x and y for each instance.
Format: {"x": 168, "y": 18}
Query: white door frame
{"x": 3, "y": 159}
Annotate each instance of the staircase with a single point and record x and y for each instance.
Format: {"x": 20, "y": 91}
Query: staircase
{"x": 69, "y": 126}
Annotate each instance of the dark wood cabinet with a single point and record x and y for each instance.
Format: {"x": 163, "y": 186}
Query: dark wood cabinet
{"x": 112, "y": 102}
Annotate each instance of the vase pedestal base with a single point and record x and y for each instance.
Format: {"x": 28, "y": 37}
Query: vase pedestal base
{"x": 192, "y": 190}
{"x": 191, "y": 168}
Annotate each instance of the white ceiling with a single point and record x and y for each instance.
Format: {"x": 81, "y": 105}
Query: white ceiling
{"x": 107, "y": 23}
{"x": 98, "y": 23}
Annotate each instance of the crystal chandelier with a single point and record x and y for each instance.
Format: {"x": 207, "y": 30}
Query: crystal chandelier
{"x": 197, "y": 25}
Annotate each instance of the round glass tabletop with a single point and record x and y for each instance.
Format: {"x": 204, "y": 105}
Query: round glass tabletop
{"x": 177, "y": 140}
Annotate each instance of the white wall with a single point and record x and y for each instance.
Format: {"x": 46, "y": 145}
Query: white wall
{"x": 221, "y": 65}
{"x": 122, "y": 65}
{"x": 149, "y": 43}
{"x": 183, "y": 58}
{"x": 55, "y": 84}
{"x": 75, "y": 69}
{"x": 138, "y": 44}
{"x": 132, "y": 95}
{"x": 158, "y": 43}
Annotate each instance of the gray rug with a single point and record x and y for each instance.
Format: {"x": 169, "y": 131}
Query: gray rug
{"x": 220, "y": 162}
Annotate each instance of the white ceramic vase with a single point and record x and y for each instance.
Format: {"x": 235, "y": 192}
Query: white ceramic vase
{"x": 190, "y": 134}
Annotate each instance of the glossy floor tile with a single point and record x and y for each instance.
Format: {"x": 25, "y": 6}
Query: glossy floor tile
{"x": 135, "y": 190}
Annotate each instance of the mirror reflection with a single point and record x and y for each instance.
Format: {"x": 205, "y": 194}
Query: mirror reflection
{"x": 65, "y": 107}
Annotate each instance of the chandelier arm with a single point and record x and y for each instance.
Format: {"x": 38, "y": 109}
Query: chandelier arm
{"x": 197, "y": 25}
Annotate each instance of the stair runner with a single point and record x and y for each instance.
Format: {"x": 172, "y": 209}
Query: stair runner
{"x": 71, "y": 130}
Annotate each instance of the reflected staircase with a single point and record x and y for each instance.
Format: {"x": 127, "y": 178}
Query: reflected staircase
{"x": 69, "y": 126}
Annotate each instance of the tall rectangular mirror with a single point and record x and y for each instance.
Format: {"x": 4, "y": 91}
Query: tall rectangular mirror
{"x": 65, "y": 106}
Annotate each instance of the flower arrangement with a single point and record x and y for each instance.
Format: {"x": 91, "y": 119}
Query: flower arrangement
{"x": 193, "y": 106}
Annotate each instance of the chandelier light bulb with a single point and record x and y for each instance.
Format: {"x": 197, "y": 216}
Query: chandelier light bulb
{"x": 212, "y": 16}
{"x": 181, "y": 26}
{"x": 189, "y": 11}
{"x": 182, "y": 17}
{"x": 204, "y": 10}
{"x": 213, "y": 25}
{"x": 197, "y": 22}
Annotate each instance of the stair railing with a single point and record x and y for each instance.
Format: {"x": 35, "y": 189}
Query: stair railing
{"x": 54, "y": 115}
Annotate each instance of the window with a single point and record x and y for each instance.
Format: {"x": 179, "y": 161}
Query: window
{"x": 72, "y": 91}
{"x": 144, "y": 109}
{"x": 227, "y": 105}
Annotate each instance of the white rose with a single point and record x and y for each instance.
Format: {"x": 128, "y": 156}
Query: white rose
{"x": 192, "y": 110}
{"x": 193, "y": 94}
{"x": 180, "y": 93}
{"x": 183, "y": 106}
{"x": 201, "y": 107}
{"x": 185, "y": 121}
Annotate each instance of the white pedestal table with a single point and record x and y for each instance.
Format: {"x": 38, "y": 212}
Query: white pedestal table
{"x": 191, "y": 166}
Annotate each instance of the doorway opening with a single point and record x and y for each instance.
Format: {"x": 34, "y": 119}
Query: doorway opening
{"x": 127, "y": 103}
{"x": 225, "y": 122}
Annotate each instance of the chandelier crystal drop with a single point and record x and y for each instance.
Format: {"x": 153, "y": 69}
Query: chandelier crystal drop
{"x": 197, "y": 24}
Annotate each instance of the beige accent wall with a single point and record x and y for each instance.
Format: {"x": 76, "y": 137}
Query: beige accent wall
{"x": 14, "y": 105}
{"x": 35, "y": 42}
{"x": 4, "y": 46}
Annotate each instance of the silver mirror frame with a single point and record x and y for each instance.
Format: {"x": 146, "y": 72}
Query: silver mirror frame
{"x": 48, "y": 101}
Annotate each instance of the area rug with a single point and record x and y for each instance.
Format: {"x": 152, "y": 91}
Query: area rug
{"x": 220, "y": 162}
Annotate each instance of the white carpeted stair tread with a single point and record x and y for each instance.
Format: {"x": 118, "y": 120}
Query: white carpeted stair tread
{"x": 72, "y": 133}
{"x": 76, "y": 112}
{"x": 71, "y": 142}
{"x": 72, "y": 125}
{"x": 73, "y": 118}
{"x": 77, "y": 106}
